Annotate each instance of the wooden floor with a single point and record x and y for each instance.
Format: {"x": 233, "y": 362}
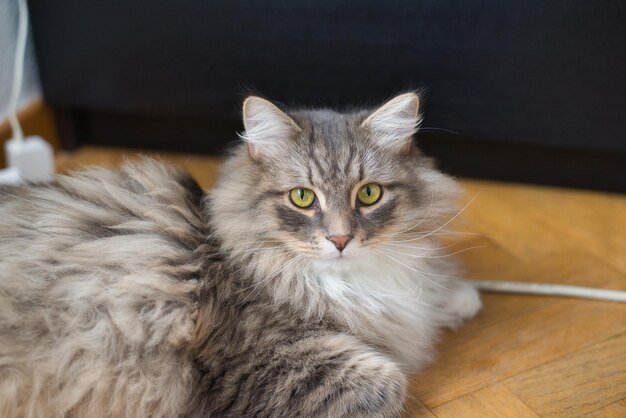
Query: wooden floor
{"x": 522, "y": 356}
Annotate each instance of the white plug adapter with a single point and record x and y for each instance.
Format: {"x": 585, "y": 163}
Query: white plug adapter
{"x": 29, "y": 161}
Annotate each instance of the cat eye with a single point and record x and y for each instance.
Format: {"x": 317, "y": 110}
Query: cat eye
{"x": 369, "y": 194}
{"x": 301, "y": 197}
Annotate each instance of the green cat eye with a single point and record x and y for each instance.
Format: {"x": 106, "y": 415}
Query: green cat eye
{"x": 301, "y": 197}
{"x": 369, "y": 194}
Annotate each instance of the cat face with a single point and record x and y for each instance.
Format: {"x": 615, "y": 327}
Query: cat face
{"x": 327, "y": 187}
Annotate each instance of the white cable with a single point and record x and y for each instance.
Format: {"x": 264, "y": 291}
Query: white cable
{"x": 18, "y": 69}
{"x": 550, "y": 290}
{"x": 29, "y": 160}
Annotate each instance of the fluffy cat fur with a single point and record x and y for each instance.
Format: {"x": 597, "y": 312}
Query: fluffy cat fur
{"x": 131, "y": 293}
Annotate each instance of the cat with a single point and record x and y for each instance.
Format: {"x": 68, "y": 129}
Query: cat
{"x": 309, "y": 282}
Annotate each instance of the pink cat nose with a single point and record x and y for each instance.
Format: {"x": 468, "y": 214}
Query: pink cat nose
{"x": 340, "y": 241}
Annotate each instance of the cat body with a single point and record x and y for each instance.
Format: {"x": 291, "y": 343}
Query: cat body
{"x": 130, "y": 292}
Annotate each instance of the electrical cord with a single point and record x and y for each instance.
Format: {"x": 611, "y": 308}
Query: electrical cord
{"x": 18, "y": 70}
{"x": 30, "y": 159}
{"x": 496, "y": 286}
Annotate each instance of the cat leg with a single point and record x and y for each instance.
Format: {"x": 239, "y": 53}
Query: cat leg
{"x": 464, "y": 303}
{"x": 337, "y": 376}
{"x": 458, "y": 301}
{"x": 327, "y": 375}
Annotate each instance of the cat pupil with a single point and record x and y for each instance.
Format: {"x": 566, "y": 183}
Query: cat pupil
{"x": 301, "y": 193}
{"x": 369, "y": 191}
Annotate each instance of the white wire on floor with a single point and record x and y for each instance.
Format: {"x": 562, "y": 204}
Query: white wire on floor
{"x": 550, "y": 290}
{"x": 18, "y": 70}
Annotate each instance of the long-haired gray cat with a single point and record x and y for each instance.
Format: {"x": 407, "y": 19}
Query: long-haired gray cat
{"x": 309, "y": 282}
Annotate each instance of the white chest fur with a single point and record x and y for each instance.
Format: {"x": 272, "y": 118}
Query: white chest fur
{"x": 386, "y": 304}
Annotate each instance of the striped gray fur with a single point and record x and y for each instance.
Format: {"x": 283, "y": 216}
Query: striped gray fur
{"x": 131, "y": 293}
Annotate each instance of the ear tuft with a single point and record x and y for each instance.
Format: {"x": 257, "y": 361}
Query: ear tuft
{"x": 267, "y": 127}
{"x": 394, "y": 123}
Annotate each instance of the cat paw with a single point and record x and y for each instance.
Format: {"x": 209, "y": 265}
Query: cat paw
{"x": 374, "y": 389}
{"x": 348, "y": 379}
{"x": 462, "y": 304}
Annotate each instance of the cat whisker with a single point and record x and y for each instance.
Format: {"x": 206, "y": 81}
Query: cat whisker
{"x": 430, "y": 206}
{"x": 267, "y": 240}
{"x": 437, "y": 274}
{"x": 254, "y": 244}
{"x": 420, "y": 272}
{"x": 393, "y": 243}
{"x": 442, "y": 226}
{"x": 255, "y": 250}
{"x": 440, "y": 233}
{"x": 447, "y": 232}
{"x": 280, "y": 254}
{"x": 419, "y": 282}
{"x": 252, "y": 250}
{"x": 434, "y": 129}
{"x": 436, "y": 256}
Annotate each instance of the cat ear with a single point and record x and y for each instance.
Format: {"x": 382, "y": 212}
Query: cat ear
{"x": 395, "y": 122}
{"x": 267, "y": 127}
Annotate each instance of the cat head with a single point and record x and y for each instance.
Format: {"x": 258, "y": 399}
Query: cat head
{"x": 327, "y": 189}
